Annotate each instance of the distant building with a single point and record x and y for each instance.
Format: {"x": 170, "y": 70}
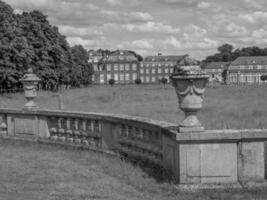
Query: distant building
{"x": 121, "y": 66}
{"x": 215, "y": 71}
{"x": 154, "y": 68}
{"x": 247, "y": 70}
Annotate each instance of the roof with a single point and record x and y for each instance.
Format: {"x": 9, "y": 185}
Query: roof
{"x": 121, "y": 55}
{"x": 250, "y": 60}
{"x": 161, "y": 58}
{"x": 217, "y": 65}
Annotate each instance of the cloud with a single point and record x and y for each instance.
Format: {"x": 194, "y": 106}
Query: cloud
{"x": 203, "y": 5}
{"x": 152, "y": 26}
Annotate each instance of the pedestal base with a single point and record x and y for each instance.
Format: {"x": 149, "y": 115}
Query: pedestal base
{"x": 183, "y": 129}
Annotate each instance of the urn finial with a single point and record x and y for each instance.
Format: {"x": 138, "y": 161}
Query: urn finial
{"x": 189, "y": 82}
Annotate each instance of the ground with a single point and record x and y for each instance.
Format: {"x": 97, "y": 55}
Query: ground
{"x": 35, "y": 171}
{"x": 224, "y": 107}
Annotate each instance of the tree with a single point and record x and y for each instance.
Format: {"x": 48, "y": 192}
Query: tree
{"x": 138, "y": 81}
{"x": 29, "y": 40}
{"x": 111, "y": 82}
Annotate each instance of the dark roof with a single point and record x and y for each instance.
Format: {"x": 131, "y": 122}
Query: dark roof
{"x": 250, "y": 60}
{"x": 161, "y": 58}
{"x": 217, "y": 65}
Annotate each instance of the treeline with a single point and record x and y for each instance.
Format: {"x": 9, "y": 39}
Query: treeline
{"x": 28, "y": 40}
{"x": 227, "y": 53}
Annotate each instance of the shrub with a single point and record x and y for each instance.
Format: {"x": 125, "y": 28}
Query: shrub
{"x": 138, "y": 81}
{"x": 111, "y": 82}
{"x": 264, "y": 77}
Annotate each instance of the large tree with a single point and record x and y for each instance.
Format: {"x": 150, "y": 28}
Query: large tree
{"x": 29, "y": 40}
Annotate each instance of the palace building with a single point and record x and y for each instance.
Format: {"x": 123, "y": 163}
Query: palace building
{"x": 247, "y": 70}
{"x": 154, "y": 68}
{"x": 122, "y": 66}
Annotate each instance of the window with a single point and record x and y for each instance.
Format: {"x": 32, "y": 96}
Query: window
{"x": 153, "y": 79}
{"x": 259, "y": 67}
{"x": 147, "y": 71}
{"x": 147, "y": 65}
{"x": 147, "y": 79}
{"x": 121, "y": 77}
{"x": 108, "y": 67}
{"x": 127, "y": 76}
{"x": 153, "y": 65}
{"x": 142, "y": 79}
{"x": 159, "y": 77}
{"x": 141, "y": 71}
{"x": 141, "y": 65}
{"x": 121, "y": 67}
{"x": 241, "y": 67}
{"x": 108, "y": 76}
{"x": 159, "y": 70}
{"x": 127, "y": 67}
{"x": 171, "y": 70}
{"x": 134, "y": 67}
{"x": 159, "y": 64}
{"x": 166, "y": 70}
{"x": 153, "y": 71}
{"x": 116, "y": 67}
{"x": 134, "y": 76}
{"x": 116, "y": 77}
{"x": 250, "y": 78}
{"x": 250, "y": 67}
{"x": 102, "y": 78}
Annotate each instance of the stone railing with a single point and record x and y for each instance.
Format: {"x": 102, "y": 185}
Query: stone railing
{"x": 135, "y": 137}
{"x": 187, "y": 151}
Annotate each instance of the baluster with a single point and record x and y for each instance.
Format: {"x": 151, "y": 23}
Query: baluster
{"x": 3, "y": 125}
{"x": 129, "y": 132}
{"x": 137, "y": 132}
{"x": 69, "y": 131}
{"x": 76, "y": 132}
{"x": 84, "y": 133}
{"x": 61, "y": 131}
{"x": 53, "y": 130}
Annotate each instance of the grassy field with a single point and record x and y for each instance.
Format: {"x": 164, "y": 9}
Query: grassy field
{"x": 224, "y": 107}
{"x": 37, "y": 172}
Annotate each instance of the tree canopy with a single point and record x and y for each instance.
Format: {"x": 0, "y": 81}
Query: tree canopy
{"x": 29, "y": 40}
{"x": 227, "y": 53}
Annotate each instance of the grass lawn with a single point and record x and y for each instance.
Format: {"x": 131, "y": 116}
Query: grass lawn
{"x": 224, "y": 107}
{"x": 36, "y": 172}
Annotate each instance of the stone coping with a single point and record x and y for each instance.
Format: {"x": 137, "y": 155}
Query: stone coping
{"x": 224, "y": 135}
{"x": 114, "y": 118}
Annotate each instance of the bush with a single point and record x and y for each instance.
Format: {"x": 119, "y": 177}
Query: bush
{"x": 138, "y": 81}
{"x": 264, "y": 77}
{"x": 111, "y": 82}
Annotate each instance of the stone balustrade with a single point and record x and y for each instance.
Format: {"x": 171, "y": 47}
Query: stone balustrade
{"x": 190, "y": 153}
{"x": 134, "y": 137}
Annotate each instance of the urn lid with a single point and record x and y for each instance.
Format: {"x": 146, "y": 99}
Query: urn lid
{"x": 30, "y": 77}
{"x": 188, "y": 67}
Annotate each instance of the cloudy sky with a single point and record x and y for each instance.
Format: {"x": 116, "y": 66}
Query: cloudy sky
{"x": 196, "y": 27}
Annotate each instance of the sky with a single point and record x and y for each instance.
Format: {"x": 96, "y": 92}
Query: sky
{"x": 176, "y": 27}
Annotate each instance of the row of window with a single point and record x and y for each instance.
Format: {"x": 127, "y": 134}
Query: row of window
{"x": 244, "y": 78}
{"x": 242, "y": 67}
{"x": 156, "y": 64}
{"x": 122, "y": 67}
{"x": 159, "y": 70}
{"x": 213, "y": 70}
{"x": 153, "y": 79}
{"x": 118, "y": 77}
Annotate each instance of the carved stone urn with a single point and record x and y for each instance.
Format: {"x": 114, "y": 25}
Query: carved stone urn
{"x": 30, "y": 82}
{"x": 189, "y": 82}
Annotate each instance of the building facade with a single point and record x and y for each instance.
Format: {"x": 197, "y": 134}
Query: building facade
{"x": 215, "y": 71}
{"x": 247, "y": 70}
{"x": 121, "y": 66}
{"x": 154, "y": 68}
